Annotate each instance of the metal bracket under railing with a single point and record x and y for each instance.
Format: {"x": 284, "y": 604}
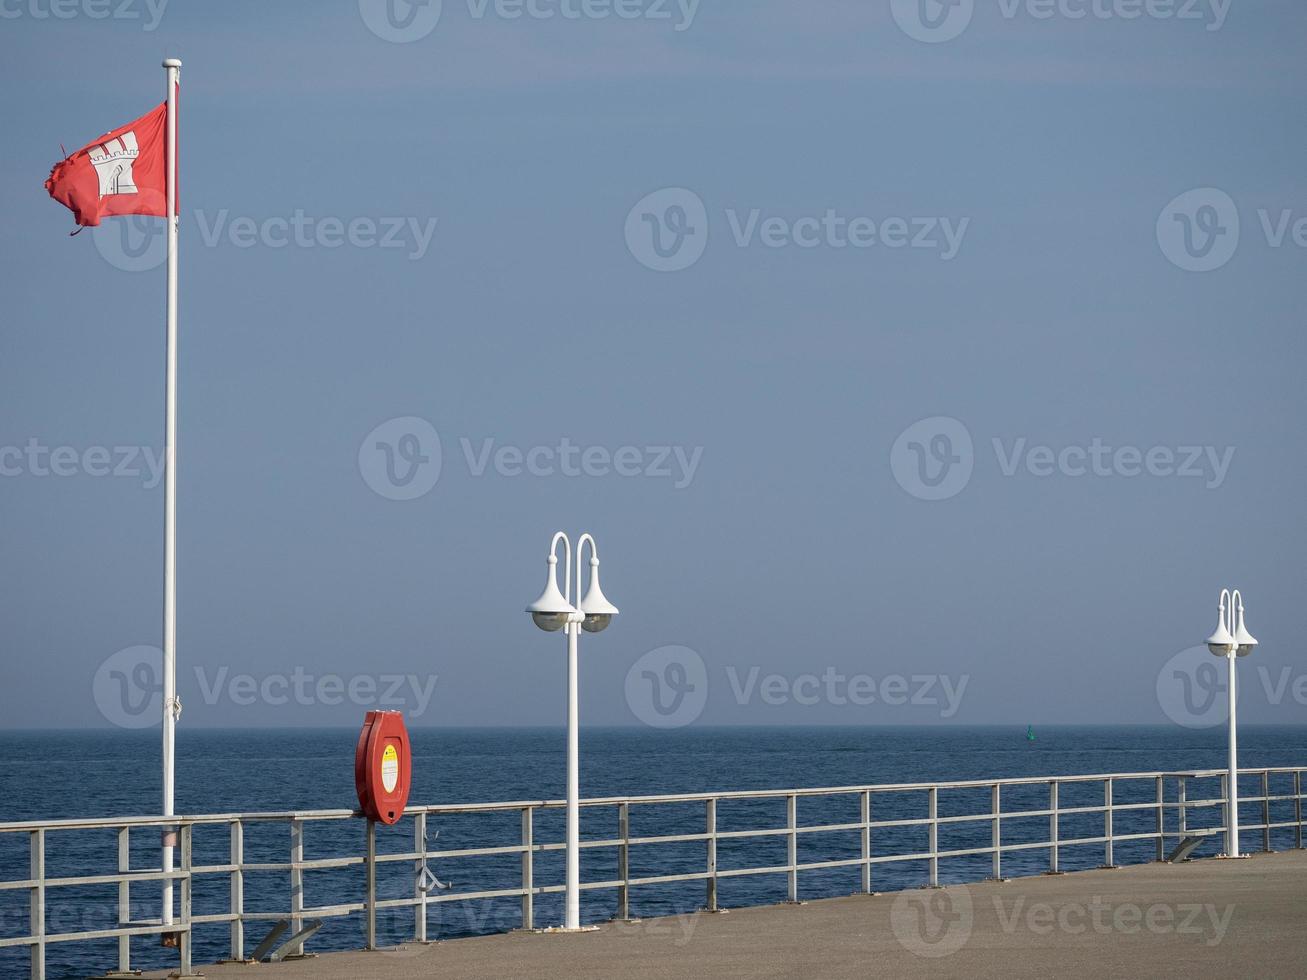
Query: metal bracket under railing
{"x": 426, "y": 879}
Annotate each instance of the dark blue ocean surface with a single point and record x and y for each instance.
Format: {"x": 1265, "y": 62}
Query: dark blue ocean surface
{"x": 66, "y": 774}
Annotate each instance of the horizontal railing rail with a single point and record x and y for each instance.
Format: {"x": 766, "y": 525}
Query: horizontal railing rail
{"x": 864, "y": 830}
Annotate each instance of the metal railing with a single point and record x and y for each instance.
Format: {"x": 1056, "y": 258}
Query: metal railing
{"x": 864, "y": 830}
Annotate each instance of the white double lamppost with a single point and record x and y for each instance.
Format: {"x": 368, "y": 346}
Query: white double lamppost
{"x": 552, "y": 612}
{"x": 1231, "y": 640}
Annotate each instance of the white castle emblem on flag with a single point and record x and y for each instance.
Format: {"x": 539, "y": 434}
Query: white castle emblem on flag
{"x": 112, "y": 161}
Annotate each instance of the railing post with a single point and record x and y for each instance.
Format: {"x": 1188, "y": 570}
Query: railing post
{"x": 932, "y": 795}
{"x": 1160, "y": 820}
{"x": 1297, "y": 805}
{"x": 236, "y": 859}
{"x": 996, "y": 828}
{"x": 792, "y": 849}
{"x": 297, "y": 883}
{"x": 184, "y": 940}
{"x": 623, "y": 861}
{"x": 124, "y": 898}
{"x": 866, "y": 841}
{"x": 1181, "y": 795}
{"x": 1107, "y": 824}
{"x": 1052, "y": 827}
{"x": 371, "y": 898}
{"x": 36, "y": 921}
{"x": 1225, "y": 808}
{"x": 528, "y": 884}
{"x": 711, "y": 830}
{"x": 1266, "y": 811}
{"x": 419, "y": 879}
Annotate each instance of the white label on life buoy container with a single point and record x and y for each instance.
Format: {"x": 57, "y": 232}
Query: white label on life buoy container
{"x": 390, "y": 769}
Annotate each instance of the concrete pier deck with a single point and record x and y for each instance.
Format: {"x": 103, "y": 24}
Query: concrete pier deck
{"x": 1207, "y": 918}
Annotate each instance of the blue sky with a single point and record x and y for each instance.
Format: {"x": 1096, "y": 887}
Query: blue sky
{"x": 476, "y": 209}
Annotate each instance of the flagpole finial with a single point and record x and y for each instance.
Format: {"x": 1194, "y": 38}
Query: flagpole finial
{"x": 172, "y": 62}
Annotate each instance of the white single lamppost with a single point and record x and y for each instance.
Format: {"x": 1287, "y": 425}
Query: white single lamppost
{"x": 554, "y": 611}
{"x": 1231, "y": 640}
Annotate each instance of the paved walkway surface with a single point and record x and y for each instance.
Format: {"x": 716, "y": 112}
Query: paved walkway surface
{"x": 1208, "y": 918}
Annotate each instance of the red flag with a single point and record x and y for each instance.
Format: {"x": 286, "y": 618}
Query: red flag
{"x": 122, "y": 172}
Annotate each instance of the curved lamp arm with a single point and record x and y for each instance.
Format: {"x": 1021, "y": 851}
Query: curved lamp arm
{"x": 580, "y": 552}
{"x": 567, "y": 568}
{"x": 1245, "y": 642}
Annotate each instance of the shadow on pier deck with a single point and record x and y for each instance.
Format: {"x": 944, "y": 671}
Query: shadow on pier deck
{"x": 1208, "y": 918}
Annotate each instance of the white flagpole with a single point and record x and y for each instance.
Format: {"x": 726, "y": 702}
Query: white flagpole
{"x": 171, "y": 706}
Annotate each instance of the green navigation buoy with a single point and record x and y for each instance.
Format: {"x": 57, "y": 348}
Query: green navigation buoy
{"x": 1030, "y": 733}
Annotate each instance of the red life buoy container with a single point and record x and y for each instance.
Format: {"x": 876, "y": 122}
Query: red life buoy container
{"x": 383, "y": 767}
